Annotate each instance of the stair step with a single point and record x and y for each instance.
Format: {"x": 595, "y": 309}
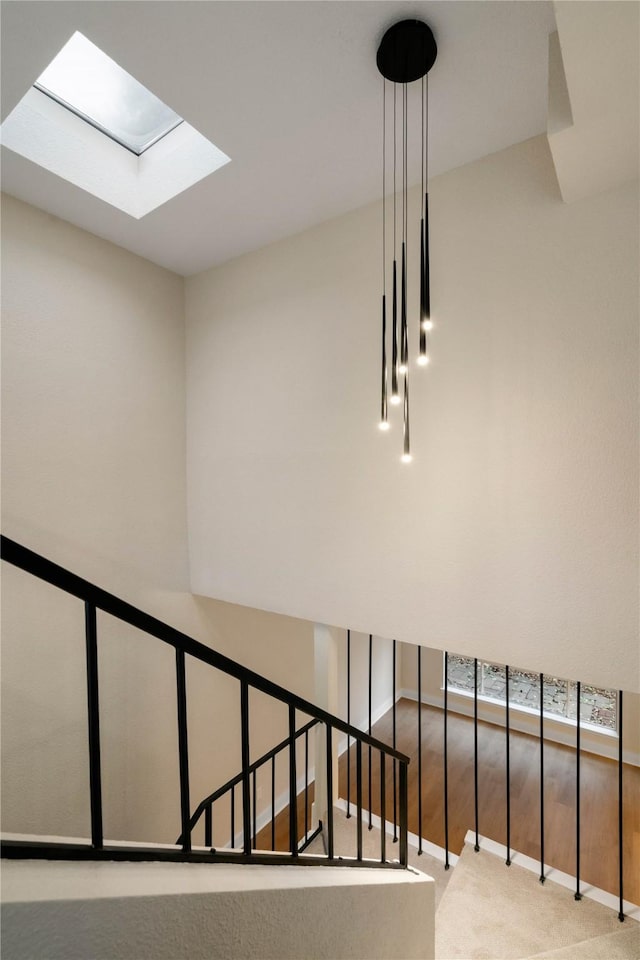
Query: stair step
{"x": 490, "y": 911}
{"x": 623, "y": 945}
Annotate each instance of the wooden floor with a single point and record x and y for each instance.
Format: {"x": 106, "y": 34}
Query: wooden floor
{"x": 598, "y": 805}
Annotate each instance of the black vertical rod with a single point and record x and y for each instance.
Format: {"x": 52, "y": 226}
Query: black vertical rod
{"x": 93, "y": 715}
{"x": 419, "y": 750}
{"x": 508, "y": 768}
{"x": 306, "y": 784}
{"x": 329, "y": 793}
{"x": 404, "y": 826}
{"x": 383, "y": 809}
{"x": 370, "y": 681}
{"x": 246, "y": 788}
{"x": 254, "y": 810}
{"x": 273, "y": 802}
{"x": 423, "y": 332}
{"x": 394, "y": 335}
{"x": 359, "y": 798}
{"x": 578, "y": 895}
{"x": 395, "y": 798}
{"x": 542, "y": 878}
{"x": 383, "y": 402}
{"x": 403, "y": 310}
{"x": 446, "y": 764}
{"x": 233, "y": 816}
{"x": 208, "y": 825}
{"x": 620, "y": 812}
{"x": 183, "y": 754}
{"x": 349, "y": 722}
{"x": 293, "y": 797}
{"x": 475, "y": 749}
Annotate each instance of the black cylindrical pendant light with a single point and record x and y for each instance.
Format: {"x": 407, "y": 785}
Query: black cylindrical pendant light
{"x": 406, "y": 53}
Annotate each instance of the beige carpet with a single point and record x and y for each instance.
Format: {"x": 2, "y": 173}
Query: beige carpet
{"x": 344, "y": 840}
{"x": 623, "y": 945}
{"x": 494, "y": 912}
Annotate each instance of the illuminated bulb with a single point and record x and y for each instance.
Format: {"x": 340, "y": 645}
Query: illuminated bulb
{"x": 395, "y": 399}
{"x": 427, "y": 324}
{"x": 383, "y": 425}
{"x": 406, "y": 458}
{"x": 423, "y": 359}
{"x": 402, "y": 368}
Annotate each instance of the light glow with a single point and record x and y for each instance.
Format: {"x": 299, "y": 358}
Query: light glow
{"x": 395, "y": 399}
{"x": 89, "y": 83}
{"x": 406, "y": 458}
{"x": 427, "y": 324}
{"x": 423, "y": 360}
{"x": 402, "y": 368}
{"x": 383, "y": 425}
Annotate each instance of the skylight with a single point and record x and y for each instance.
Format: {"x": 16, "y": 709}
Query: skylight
{"x": 86, "y": 81}
{"x": 89, "y": 122}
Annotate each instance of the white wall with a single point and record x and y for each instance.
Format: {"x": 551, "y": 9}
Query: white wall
{"x": 515, "y": 529}
{"x": 94, "y": 477}
{"x": 118, "y": 911}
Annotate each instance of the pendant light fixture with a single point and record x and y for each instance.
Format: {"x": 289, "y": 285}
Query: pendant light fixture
{"x": 406, "y": 53}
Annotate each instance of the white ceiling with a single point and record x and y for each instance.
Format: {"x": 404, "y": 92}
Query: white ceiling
{"x": 290, "y": 91}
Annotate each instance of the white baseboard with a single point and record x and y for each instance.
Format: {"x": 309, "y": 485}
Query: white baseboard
{"x": 610, "y": 900}
{"x": 413, "y": 840}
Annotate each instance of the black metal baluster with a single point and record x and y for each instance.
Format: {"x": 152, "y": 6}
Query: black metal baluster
{"x": 475, "y": 749}
{"x": 273, "y": 802}
{"x": 93, "y": 715}
{"x": 508, "y": 770}
{"x": 208, "y": 826}
{"x": 349, "y": 722}
{"x": 233, "y": 816}
{"x": 183, "y": 752}
{"x": 542, "y": 877}
{"x": 620, "y": 812}
{"x": 370, "y": 680}
{"x": 395, "y": 762}
{"x": 578, "y": 895}
{"x": 306, "y": 784}
{"x": 446, "y": 763}
{"x": 254, "y": 810}
{"x": 404, "y": 826}
{"x": 293, "y": 794}
{"x": 419, "y": 750}
{"x": 246, "y": 788}
{"x": 329, "y": 794}
{"x": 383, "y": 809}
{"x": 359, "y": 799}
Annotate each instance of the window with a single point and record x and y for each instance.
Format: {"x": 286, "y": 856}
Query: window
{"x": 598, "y": 706}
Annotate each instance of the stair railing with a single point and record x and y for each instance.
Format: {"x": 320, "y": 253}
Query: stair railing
{"x": 94, "y": 599}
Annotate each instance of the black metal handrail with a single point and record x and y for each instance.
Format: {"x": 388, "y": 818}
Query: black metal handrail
{"x": 95, "y": 598}
{"x": 218, "y": 794}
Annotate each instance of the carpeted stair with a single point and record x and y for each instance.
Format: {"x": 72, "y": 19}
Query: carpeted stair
{"x": 490, "y": 911}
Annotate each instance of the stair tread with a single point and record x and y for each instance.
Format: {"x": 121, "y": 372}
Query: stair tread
{"x": 622, "y": 945}
{"x": 490, "y": 911}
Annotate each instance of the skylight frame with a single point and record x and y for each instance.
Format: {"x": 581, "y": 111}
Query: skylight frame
{"x": 105, "y": 130}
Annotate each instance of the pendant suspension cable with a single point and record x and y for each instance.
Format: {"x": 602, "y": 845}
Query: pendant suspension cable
{"x": 384, "y": 421}
{"x": 403, "y": 317}
{"x": 426, "y": 320}
{"x": 395, "y": 395}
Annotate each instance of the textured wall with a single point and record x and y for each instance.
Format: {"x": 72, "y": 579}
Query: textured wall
{"x": 230, "y": 913}
{"x": 514, "y": 532}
